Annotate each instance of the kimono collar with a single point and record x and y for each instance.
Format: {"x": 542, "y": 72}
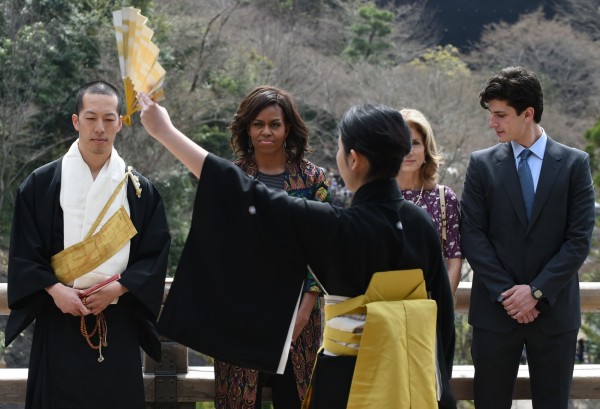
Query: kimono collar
{"x": 381, "y": 190}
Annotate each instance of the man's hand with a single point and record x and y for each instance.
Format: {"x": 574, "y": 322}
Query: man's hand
{"x": 528, "y": 317}
{"x": 67, "y": 299}
{"x": 520, "y": 304}
{"x": 98, "y": 301}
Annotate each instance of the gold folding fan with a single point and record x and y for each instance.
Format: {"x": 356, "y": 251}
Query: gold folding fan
{"x": 138, "y": 59}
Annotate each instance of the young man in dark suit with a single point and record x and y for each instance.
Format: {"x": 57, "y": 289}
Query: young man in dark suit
{"x": 527, "y": 220}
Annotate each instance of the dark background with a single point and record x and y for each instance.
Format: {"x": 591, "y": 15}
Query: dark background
{"x": 462, "y": 21}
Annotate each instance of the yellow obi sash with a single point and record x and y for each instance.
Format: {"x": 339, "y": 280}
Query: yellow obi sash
{"x": 83, "y": 257}
{"x": 396, "y": 360}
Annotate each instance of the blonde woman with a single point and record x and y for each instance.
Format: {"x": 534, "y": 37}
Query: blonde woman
{"x": 418, "y": 181}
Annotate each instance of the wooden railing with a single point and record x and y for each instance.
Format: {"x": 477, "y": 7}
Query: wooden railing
{"x": 590, "y": 296}
{"x": 172, "y": 383}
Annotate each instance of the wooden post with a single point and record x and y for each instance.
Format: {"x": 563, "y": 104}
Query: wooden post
{"x": 174, "y": 361}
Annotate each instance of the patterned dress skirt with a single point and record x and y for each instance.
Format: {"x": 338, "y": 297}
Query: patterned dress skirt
{"x": 237, "y": 387}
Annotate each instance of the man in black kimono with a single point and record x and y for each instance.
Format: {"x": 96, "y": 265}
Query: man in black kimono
{"x": 253, "y": 245}
{"x": 54, "y": 209}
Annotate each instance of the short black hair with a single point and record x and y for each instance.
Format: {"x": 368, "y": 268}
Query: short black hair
{"x": 380, "y": 134}
{"x": 518, "y": 87}
{"x": 97, "y": 87}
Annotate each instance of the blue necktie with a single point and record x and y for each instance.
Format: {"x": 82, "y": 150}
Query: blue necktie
{"x": 526, "y": 182}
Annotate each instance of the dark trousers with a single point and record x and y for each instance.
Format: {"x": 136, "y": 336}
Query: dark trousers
{"x": 331, "y": 381}
{"x": 497, "y": 356}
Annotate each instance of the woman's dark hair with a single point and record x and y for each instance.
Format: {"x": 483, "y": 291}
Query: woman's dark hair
{"x": 518, "y": 87}
{"x": 257, "y": 100}
{"x": 97, "y": 87}
{"x": 380, "y": 134}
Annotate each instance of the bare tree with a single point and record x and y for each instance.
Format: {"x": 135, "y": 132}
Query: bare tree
{"x": 583, "y": 15}
{"x": 567, "y": 62}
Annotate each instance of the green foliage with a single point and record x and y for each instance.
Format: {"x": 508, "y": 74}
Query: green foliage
{"x": 48, "y": 48}
{"x": 239, "y": 74}
{"x": 277, "y": 6}
{"x": 178, "y": 194}
{"x": 75, "y": 55}
{"x": 590, "y": 327}
{"x": 462, "y": 349}
{"x": 214, "y": 138}
{"x": 31, "y": 47}
{"x": 57, "y": 41}
{"x": 590, "y": 322}
{"x": 370, "y": 31}
{"x": 444, "y": 58}
{"x": 6, "y": 216}
{"x": 64, "y": 37}
{"x": 291, "y": 10}
{"x": 25, "y": 47}
{"x": 465, "y": 404}
{"x": 592, "y": 136}
{"x": 178, "y": 189}
{"x": 2, "y": 347}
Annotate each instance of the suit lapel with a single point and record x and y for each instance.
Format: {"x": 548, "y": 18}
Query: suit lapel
{"x": 508, "y": 174}
{"x": 551, "y": 166}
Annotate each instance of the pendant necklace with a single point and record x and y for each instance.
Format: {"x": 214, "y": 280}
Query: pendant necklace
{"x": 420, "y": 195}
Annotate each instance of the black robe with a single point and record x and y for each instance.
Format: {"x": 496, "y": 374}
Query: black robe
{"x": 63, "y": 369}
{"x": 252, "y": 245}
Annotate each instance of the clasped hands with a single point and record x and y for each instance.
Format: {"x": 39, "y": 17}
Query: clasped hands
{"x": 68, "y": 299}
{"x": 519, "y": 304}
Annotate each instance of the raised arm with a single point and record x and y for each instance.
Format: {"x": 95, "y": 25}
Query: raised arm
{"x": 157, "y": 123}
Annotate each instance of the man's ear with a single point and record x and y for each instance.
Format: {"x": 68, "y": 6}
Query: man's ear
{"x": 529, "y": 113}
{"x": 75, "y": 120}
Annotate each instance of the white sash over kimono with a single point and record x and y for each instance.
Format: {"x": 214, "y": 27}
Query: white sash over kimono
{"x": 82, "y": 199}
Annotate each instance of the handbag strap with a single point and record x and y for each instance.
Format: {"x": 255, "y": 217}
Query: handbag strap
{"x": 443, "y": 208}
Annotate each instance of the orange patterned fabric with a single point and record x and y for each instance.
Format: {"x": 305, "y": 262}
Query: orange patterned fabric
{"x": 236, "y": 387}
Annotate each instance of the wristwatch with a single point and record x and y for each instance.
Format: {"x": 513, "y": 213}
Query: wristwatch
{"x": 536, "y": 293}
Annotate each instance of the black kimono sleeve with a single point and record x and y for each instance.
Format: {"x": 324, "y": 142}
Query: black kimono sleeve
{"x": 36, "y": 234}
{"x": 240, "y": 274}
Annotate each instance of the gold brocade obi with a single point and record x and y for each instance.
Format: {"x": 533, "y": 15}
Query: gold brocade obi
{"x": 396, "y": 360}
{"x": 83, "y": 257}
